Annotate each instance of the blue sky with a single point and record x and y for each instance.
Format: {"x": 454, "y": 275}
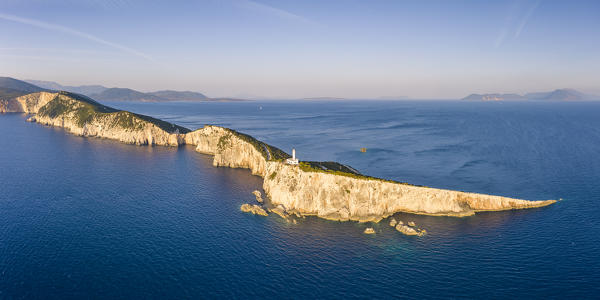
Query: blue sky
{"x": 293, "y": 49}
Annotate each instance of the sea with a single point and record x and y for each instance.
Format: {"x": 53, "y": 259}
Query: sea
{"x": 85, "y": 218}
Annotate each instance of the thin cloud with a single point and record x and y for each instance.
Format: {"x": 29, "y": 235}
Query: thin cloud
{"x": 511, "y": 26}
{"x": 526, "y": 18}
{"x": 501, "y": 37}
{"x": 274, "y": 11}
{"x": 67, "y": 30}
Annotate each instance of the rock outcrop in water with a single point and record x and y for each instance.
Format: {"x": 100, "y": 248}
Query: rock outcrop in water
{"x": 325, "y": 189}
{"x": 408, "y": 230}
{"x": 254, "y": 209}
{"x": 258, "y": 196}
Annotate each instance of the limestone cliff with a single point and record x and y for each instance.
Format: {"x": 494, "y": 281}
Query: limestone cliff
{"x": 83, "y": 116}
{"x": 325, "y": 189}
{"x": 29, "y": 103}
{"x": 233, "y": 149}
{"x": 361, "y": 198}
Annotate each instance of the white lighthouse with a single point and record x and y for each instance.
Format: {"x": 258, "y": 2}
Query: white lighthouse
{"x": 293, "y": 160}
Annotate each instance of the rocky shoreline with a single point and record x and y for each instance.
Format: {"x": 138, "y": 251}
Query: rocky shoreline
{"x": 325, "y": 189}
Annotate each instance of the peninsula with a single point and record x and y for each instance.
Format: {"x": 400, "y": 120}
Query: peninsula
{"x": 326, "y": 189}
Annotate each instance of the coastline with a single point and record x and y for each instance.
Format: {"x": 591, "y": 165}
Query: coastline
{"x": 313, "y": 188}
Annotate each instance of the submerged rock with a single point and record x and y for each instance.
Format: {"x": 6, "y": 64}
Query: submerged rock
{"x": 393, "y": 222}
{"x": 258, "y": 196}
{"x": 254, "y": 209}
{"x": 369, "y": 230}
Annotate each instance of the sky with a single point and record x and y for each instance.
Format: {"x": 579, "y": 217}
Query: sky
{"x": 295, "y": 49}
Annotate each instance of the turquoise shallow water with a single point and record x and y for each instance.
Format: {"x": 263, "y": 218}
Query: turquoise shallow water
{"x": 84, "y": 217}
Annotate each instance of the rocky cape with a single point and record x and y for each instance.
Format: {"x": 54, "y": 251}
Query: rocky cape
{"x": 326, "y": 189}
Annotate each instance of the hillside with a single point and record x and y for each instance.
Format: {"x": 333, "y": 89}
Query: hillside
{"x": 121, "y": 94}
{"x": 83, "y": 110}
{"x": 19, "y": 85}
{"x": 169, "y": 95}
{"x": 124, "y": 94}
{"x": 84, "y": 116}
{"x": 559, "y": 95}
{"x": 10, "y": 88}
{"x": 103, "y": 93}
{"x": 82, "y": 89}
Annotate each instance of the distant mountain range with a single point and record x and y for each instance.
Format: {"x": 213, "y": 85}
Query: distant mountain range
{"x": 124, "y": 94}
{"x": 323, "y": 98}
{"x": 82, "y": 89}
{"x": 556, "y": 95}
{"x": 102, "y": 93}
{"x": 10, "y": 88}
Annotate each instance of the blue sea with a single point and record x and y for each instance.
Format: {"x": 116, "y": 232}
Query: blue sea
{"x": 94, "y": 218}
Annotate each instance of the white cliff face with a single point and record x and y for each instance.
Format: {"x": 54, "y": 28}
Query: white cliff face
{"x": 118, "y": 125}
{"x": 347, "y": 198}
{"x": 228, "y": 149}
{"x": 145, "y": 134}
{"x": 326, "y": 195}
{"x": 121, "y": 126}
{"x": 29, "y": 103}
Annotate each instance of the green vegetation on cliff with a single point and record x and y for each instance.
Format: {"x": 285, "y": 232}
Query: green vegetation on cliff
{"x": 327, "y": 166}
{"x": 269, "y": 152}
{"x": 84, "y": 110}
{"x": 331, "y": 167}
{"x": 6, "y": 93}
{"x": 11, "y": 88}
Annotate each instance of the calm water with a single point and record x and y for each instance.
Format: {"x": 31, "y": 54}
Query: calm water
{"x": 92, "y": 218}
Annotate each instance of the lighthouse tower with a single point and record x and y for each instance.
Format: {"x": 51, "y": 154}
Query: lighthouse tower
{"x": 293, "y": 160}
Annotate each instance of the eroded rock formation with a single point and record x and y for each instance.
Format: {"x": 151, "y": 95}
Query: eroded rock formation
{"x": 258, "y": 196}
{"x": 254, "y": 209}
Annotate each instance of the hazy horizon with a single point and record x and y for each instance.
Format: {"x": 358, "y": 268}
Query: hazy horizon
{"x": 284, "y": 49}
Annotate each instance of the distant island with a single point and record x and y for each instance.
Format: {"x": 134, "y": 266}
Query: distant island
{"x": 102, "y": 93}
{"x": 323, "y": 98}
{"x": 556, "y": 95}
{"x": 325, "y": 189}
